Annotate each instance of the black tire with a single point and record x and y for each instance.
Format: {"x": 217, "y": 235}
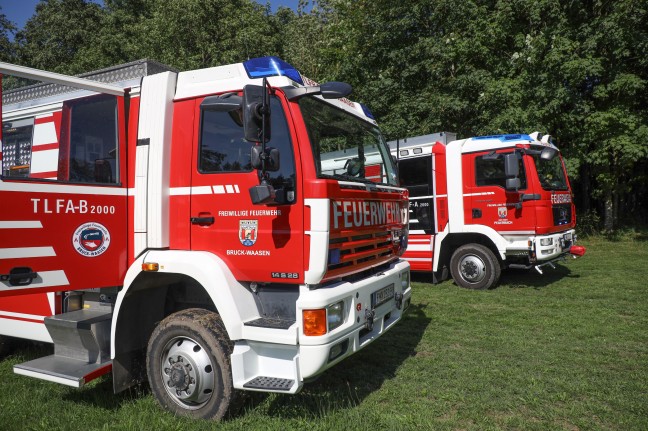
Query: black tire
{"x": 474, "y": 266}
{"x": 188, "y": 365}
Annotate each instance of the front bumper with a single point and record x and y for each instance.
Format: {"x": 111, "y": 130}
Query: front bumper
{"x": 550, "y": 247}
{"x": 363, "y": 323}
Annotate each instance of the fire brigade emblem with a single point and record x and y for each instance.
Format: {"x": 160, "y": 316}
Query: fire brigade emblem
{"x": 248, "y": 230}
{"x": 91, "y": 239}
{"x": 502, "y": 212}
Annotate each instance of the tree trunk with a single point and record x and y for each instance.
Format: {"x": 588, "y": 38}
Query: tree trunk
{"x": 608, "y": 212}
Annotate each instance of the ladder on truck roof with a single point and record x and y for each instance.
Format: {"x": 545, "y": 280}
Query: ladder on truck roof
{"x": 58, "y": 78}
{"x": 111, "y": 80}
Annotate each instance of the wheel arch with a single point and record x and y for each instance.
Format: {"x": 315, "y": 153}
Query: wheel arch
{"x": 453, "y": 241}
{"x": 185, "y": 280}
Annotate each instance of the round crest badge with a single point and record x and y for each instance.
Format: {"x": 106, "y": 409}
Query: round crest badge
{"x": 91, "y": 239}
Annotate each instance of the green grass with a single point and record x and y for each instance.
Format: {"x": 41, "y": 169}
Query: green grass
{"x": 564, "y": 351}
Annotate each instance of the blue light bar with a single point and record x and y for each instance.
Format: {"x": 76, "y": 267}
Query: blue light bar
{"x": 504, "y": 138}
{"x": 366, "y": 111}
{"x": 264, "y": 67}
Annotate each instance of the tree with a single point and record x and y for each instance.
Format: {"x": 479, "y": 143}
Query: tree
{"x": 7, "y": 28}
{"x": 57, "y": 33}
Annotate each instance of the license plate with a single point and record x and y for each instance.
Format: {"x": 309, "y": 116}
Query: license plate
{"x": 381, "y": 296}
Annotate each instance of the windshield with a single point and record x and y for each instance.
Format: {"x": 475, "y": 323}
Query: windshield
{"x": 551, "y": 173}
{"x": 344, "y": 146}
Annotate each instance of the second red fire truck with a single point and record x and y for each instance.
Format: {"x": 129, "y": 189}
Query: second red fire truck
{"x": 192, "y": 230}
{"x": 482, "y": 204}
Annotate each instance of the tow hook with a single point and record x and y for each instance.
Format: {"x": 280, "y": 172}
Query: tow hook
{"x": 398, "y": 297}
{"x": 369, "y": 319}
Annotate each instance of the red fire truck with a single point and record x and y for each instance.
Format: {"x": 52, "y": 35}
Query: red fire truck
{"x": 181, "y": 228}
{"x": 482, "y": 204}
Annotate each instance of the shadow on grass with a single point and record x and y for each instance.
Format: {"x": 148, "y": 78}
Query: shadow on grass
{"x": 347, "y": 384}
{"x": 531, "y": 279}
{"x": 341, "y": 387}
{"x": 516, "y": 278}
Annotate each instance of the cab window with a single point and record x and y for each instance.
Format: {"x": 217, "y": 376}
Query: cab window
{"x": 489, "y": 170}
{"x": 223, "y": 148}
{"x": 93, "y": 140}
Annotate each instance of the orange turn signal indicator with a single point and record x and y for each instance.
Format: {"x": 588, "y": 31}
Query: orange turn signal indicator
{"x": 150, "y": 266}
{"x": 314, "y": 322}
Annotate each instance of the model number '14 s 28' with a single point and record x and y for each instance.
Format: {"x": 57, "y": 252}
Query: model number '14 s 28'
{"x": 292, "y": 275}
{"x": 69, "y": 206}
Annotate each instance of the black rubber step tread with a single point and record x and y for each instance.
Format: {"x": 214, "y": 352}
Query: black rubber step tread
{"x": 267, "y": 322}
{"x": 270, "y": 383}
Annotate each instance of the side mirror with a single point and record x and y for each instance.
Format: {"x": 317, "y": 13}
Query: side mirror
{"x": 548, "y": 153}
{"x": 225, "y": 103}
{"x": 264, "y": 193}
{"x": 511, "y": 165}
{"x": 271, "y": 158}
{"x": 513, "y": 183}
{"x": 328, "y": 90}
{"x": 256, "y": 122}
{"x": 335, "y": 90}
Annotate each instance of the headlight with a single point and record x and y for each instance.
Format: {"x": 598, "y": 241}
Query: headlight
{"x": 546, "y": 241}
{"x": 335, "y": 315}
{"x": 405, "y": 279}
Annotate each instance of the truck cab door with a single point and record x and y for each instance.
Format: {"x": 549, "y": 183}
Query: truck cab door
{"x": 257, "y": 242}
{"x": 491, "y": 203}
{"x": 63, "y": 193}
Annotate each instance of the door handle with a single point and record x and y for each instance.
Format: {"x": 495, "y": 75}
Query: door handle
{"x": 19, "y": 276}
{"x": 202, "y": 220}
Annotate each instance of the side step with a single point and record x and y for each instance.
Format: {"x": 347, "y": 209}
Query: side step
{"x": 81, "y": 349}
{"x": 269, "y": 384}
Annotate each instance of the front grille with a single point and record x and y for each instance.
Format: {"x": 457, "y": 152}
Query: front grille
{"x": 562, "y": 214}
{"x": 358, "y": 252}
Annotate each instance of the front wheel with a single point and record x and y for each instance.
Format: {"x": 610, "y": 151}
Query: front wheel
{"x": 474, "y": 266}
{"x": 188, "y": 365}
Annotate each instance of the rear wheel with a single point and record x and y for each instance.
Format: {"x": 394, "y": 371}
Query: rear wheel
{"x": 188, "y": 365}
{"x": 474, "y": 266}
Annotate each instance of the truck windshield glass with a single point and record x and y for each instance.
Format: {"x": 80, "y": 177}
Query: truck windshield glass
{"x": 344, "y": 146}
{"x": 551, "y": 173}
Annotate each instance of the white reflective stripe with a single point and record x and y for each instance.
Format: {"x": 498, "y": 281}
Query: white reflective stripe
{"x": 419, "y": 247}
{"x": 21, "y": 315}
{"x": 23, "y": 224}
{"x": 417, "y": 259}
{"x": 378, "y": 186}
{"x": 180, "y": 191}
{"x": 44, "y": 133}
{"x": 44, "y": 279}
{"x": 421, "y": 197}
{"x": 61, "y": 188}
{"x": 20, "y": 252}
{"x": 201, "y": 190}
{"x": 44, "y": 161}
{"x": 479, "y": 194}
{"x": 218, "y": 189}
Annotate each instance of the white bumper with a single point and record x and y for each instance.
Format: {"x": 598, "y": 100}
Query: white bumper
{"x": 314, "y": 354}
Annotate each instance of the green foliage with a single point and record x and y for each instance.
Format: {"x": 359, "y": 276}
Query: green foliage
{"x": 576, "y": 70}
{"x": 7, "y": 28}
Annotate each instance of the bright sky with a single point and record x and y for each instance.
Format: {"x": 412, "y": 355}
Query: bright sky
{"x": 19, "y": 11}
